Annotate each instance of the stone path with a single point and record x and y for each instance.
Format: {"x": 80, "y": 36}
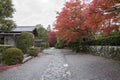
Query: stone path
{"x": 57, "y": 69}
{"x": 63, "y": 64}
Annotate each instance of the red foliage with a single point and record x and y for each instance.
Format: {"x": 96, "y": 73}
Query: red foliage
{"x": 52, "y": 38}
{"x": 107, "y": 30}
{"x": 70, "y": 21}
{"x": 100, "y": 15}
{"x": 77, "y": 20}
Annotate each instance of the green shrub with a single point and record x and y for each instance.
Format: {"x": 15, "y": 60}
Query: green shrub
{"x": 25, "y": 41}
{"x": 75, "y": 46}
{"x": 112, "y": 41}
{"x": 13, "y": 56}
{"x": 59, "y": 44}
{"x": 34, "y": 51}
{"x": 4, "y": 47}
{"x": 44, "y": 45}
{"x": 115, "y": 33}
{"x": 78, "y": 46}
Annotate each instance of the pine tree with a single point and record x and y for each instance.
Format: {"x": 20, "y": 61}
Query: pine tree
{"x": 6, "y": 11}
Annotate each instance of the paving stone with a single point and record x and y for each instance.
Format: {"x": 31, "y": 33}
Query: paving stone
{"x": 56, "y": 69}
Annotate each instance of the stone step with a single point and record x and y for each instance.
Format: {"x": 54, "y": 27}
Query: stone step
{"x": 27, "y": 58}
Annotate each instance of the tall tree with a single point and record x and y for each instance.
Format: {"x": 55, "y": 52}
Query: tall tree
{"x": 6, "y": 11}
{"x": 69, "y": 24}
{"x": 49, "y": 28}
{"x": 101, "y": 16}
{"x": 79, "y": 20}
{"x": 42, "y": 32}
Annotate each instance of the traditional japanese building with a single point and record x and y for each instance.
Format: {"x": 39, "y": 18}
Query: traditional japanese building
{"x": 9, "y": 38}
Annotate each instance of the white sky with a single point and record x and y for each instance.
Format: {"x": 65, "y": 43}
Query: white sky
{"x": 33, "y": 12}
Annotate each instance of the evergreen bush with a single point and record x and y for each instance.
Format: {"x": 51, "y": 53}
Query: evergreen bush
{"x": 112, "y": 41}
{"x": 25, "y": 41}
{"x": 2, "y": 49}
{"x": 59, "y": 44}
{"x": 34, "y": 51}
{"x": 13, "y": 56}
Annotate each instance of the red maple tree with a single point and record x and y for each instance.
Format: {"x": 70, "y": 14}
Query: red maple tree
{"x": 100, "y": 15}
{"x": 77, "y": 20}
{"x": 70, "y": 21}
{"x": 52, "y": 38}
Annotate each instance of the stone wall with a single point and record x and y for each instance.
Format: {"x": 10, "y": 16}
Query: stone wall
{"x": 106, "y": 51}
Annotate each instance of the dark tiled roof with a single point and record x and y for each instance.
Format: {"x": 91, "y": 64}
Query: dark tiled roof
{"x": 24, "y": 29}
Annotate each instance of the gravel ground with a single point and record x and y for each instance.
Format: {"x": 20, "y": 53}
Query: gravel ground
{"x": 88, "y": 67}
{"x": 63, "y": 64}
{"x": 31, "y": 70}
{"x": 50, "y": 66}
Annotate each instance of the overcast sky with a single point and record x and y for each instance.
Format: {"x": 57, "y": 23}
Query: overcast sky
{"x": 33, "y": 12}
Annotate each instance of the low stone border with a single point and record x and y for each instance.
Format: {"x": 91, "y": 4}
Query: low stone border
{"x": 106, "y": 51}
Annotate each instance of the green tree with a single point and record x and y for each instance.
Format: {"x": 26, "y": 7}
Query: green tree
{"x": 25, "y": 41}
{"x": 49, "y": 28}
{"x": 42, "y": 32}
{"x": 60, "y": 43}
{"x": 6, "y": 11}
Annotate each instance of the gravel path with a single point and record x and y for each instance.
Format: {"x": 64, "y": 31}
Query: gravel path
{"x": 88, "y": 67}
{"x": 63, "y": 64}
{"x": 57, "y": 69}
{"x": 31, "y": 70}
{"x": 50, "y": 66}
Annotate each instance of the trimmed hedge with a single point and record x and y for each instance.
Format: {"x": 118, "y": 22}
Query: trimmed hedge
{"x": 25, "y": 41}
{"x": 34, "y": 51}
{"x": 109, "y": 41}
{"x": 13, "y": 56}
{"x": 78, "y": 47}
{"x": 112, "y": 41}
{"x": 2, "y": 49}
